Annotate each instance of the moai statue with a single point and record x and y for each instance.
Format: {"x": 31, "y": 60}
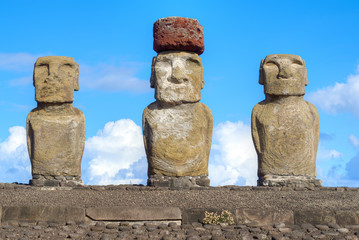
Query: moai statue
{"x": 285, "y": 127}
{"x": 55, "y": 129}
{"x": 177, "y": 128}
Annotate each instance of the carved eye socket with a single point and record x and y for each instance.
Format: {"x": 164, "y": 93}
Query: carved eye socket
{"x": 193, "y": 61}
{"x": 67, "y": 70}
{"x": 297, "y": 62}
{"x": 41, "y": 68}
{"x": 270, "y": 64}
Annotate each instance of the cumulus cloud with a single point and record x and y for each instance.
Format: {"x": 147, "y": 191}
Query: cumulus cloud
{"x": 353, "y": 165}
{"x": 342, "y": 97}
{"x": 354, "y": 140}
{"x": 116, "y": 154}
{"x": 20, "y": 62}
{"x": 233, "y": 159}
{"x": 14, "y": 160}
{"x": 113, "y": 78}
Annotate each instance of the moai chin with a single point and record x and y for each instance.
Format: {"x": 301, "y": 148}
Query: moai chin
{"x": 285, "y": 127}
{"x": 55, "y": 129}
{"x": 177, "y": 128}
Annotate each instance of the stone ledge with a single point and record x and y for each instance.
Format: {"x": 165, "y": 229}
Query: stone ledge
{"x": 289, "y": 181}
{"x": 33, "y": 214}
{"x": 134, "y": 213}
{"x": 157, "y": 215}
{"x": 178, "y": 182}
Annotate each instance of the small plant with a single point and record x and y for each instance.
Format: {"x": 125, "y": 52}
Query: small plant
{"x": 214, "y": 219}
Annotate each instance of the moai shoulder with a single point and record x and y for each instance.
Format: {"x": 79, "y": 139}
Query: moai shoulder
{"x": 285, "y": 127}
{"x": 177, "y": 128}
{"x": 55, "y": 129}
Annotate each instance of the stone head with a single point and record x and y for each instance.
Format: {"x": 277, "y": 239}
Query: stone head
{"x": 283, "y": 75}
{"x": 177, "y": 77}
{"x": 55, "y": 79}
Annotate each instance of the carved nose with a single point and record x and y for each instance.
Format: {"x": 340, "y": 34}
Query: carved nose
{"x": 53, "y": 70}
{"x": 177, "y": 75}
{"x": 284, "y": 72}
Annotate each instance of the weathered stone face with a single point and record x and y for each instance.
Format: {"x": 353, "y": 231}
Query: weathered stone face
{"x": 177, "y": 77}
{"x": 55, "y": 79}
{"x": 285, "y": 127}
{"x": 283, "y": 74}
{"x": 177, "y": 139}
{"x": 178, "y": 33}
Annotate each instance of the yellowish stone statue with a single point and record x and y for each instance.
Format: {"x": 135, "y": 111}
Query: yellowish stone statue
{"x": 55, "y": 129}
{"x": 285, "y": 127}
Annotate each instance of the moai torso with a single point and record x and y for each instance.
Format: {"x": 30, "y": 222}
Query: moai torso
{"x": 177, "y": 128}
{"x": 56, "y": 141}
{"x": 287, "y": 140}
{"x": 55, "y": 129}
{"x": 178, "y": 139}
{"x": 285, "y": 127}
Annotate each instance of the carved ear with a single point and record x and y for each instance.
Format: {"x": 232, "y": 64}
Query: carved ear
{"x": 76, "y": 77}
{"x": 306, "y": 82}
{"x": 33, "y": 75}
{"x": 202, "y": 79}
{"x": 153, "y": 73}
{"x": 202, "y": 76}
{"x": 261, "y": 80}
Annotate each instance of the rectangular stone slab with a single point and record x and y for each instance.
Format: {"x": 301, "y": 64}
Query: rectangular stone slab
{"x": 134, "y": 213}
{"x": 53, "y": 214}
{"x": 263, "y": 217}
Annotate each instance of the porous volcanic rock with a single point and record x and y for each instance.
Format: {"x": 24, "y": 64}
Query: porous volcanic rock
{"x": 178, "y": 33}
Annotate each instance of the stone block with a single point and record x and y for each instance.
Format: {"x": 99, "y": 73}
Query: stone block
{"x": 344, "y": 218}
{"x": 53, "y": 214}
{"x": 289, "y": 181}
{"x": 134, "y": 213}
{"x": 178, "y": 33}
{"x": 314, "y": 216}
{"x": 192, "y": 215}
{"x": 178, "y": 182}
{"x": 263, "y": 217}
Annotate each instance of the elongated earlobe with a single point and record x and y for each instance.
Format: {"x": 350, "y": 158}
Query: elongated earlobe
{"x": 306, "y": 82}
{"x": 76, "y": 77}
{"x": 153, "y": 73}
{"x": 261, "y": 80}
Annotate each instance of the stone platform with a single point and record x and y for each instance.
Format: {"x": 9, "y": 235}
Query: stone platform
{"x": 258, "y": 208}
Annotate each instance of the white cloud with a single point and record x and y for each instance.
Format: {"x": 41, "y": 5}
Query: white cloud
{"x": 331, "y": 166}
{"x": 114, "y": 152}
{"x": 113, "y": 78}
{"x": 14, "y": 160}
{"x": 22, "y": 81}
{"x": 17, "y": 61}
{"x": 233, "y": 158}
{"x": 354, "y": 140}
{"x": 342, "y": 97}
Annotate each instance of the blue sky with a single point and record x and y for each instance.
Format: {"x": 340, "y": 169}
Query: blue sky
{"x": 112, "y": 42}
